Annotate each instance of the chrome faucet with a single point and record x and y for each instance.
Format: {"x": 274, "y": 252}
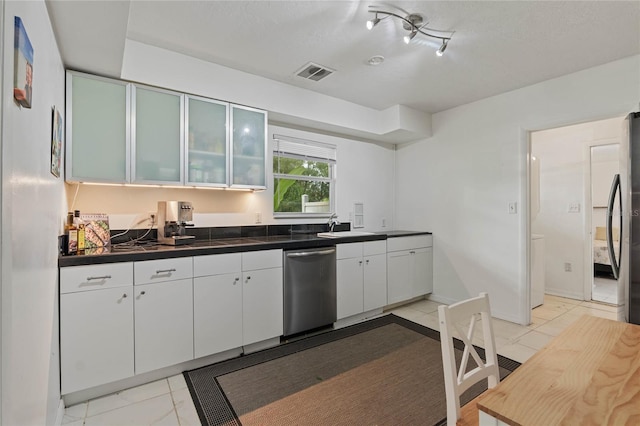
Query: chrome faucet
{"x": 333, "y": 221}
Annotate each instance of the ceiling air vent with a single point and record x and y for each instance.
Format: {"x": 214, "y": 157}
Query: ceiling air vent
{"x": 314, "y": 72}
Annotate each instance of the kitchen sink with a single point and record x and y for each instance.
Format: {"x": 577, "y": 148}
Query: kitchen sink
{"x": 340, "y": 234}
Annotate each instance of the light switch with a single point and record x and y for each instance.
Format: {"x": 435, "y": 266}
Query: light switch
{"x": 513, "y": 207}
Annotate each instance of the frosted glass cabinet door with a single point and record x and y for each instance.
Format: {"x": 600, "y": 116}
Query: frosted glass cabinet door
{"x": 249, "y": 142}
{"x": 207, "y": 142}
{"x": 157, "y": 136}
{"x": 97, "y": 117}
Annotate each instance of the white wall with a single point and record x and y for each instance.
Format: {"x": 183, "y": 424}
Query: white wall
{"x": 32, "y": 203}
{"x": 459, "y": 182}
{"x": 564, "y": 156}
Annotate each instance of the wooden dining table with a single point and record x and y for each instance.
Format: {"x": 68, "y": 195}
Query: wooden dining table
{"x": 588, "y": 375}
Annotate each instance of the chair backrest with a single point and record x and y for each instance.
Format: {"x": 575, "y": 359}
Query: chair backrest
{"x": 452, "y": 318}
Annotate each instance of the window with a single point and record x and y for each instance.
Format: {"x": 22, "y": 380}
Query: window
{"x": 303, "y": 177}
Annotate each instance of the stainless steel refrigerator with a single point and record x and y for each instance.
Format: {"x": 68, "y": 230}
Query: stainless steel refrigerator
{"x": 625, "y": 193}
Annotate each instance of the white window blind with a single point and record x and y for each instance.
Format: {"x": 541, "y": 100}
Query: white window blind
{"x": 287, "y": 146}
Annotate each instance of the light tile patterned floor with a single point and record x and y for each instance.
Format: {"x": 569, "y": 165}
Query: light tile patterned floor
{"x": 167, "y": 401}
{"x": 605, "y": 290}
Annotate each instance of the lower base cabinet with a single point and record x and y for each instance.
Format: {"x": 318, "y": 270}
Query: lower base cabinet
{"x": 237, "y": 300}
{"x": 410, "y": 267}
{"x": 163, "y": 324}
{"x": 262, "y": 300}
{"x": 96, "y": 337}
{"x": 361, "y": 273}
{"x": 217, "y": 313}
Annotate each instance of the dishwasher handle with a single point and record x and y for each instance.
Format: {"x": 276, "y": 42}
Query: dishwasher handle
{"x": 311, "y": 253}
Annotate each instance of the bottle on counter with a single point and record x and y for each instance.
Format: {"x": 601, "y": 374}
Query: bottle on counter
{"x": 71, "y": 232}
{"x": 79, "y": 224}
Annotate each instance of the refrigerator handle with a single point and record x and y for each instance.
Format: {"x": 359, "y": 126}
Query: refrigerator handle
{"x": 615, "y": 263}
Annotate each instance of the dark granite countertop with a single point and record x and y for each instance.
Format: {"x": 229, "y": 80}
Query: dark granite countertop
{"x": 150, "y": 250}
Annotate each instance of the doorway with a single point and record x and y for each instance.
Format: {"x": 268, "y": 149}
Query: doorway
{"x": 567, "y": 219}
{"x": 604, "y": 165}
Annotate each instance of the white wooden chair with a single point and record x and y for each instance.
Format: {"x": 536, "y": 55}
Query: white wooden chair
{"x": 456, "y": 382}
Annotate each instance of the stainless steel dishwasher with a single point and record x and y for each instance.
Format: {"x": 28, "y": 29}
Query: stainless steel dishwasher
{"x": 309, "y": 289}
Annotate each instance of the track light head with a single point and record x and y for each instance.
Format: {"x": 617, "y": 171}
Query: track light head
{"x": 373, "y": 22}
{"x": 407, "y": 39}
{"x": 440, "y": 51}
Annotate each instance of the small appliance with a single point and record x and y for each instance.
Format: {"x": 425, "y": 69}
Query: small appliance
{"x": 173, "y": 218}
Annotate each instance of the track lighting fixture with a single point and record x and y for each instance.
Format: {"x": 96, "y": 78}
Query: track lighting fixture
{"x": 414, "y": 23}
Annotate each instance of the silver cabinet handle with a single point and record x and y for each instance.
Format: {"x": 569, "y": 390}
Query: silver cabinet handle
{"x": 412, "y": 252}
{"x": 249, "y": 277}
{"x": 124, "y": 296}
{"x": 360, "y": 262}
{"x": 162, "y": 271}
{"x": 236, "y": 280}
{"x": 143, "y": 293}
{"x": 104, "y": 277}
{"x": 367, "y": 261}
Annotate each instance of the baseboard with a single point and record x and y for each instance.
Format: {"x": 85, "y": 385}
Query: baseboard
{"x": 560, "y": 293}
{"x": 60, "y": 413}
{"x": 441, "y": 299}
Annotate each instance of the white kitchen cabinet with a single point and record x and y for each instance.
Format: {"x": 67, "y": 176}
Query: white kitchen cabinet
{"x": 97, "y": 129}
{"x": 157, "y": 136}
{"x": 96, "y": 325}
{"x": 349, "y": 288}
{"x": 361, "y": 277}
{"x": 262, "y": 296}
{"x": 96, "y": 337}
{"x": 375, "y": 282}
{"x": 121, "y": 132}
{"x": 410, "y": 267}
{"x": 163, "y": 324}
{"x": 217, "y": 303}
{"x": 153, "y": 271}
{"x": 207, "y": 141}
{"x": 249, "y": 147}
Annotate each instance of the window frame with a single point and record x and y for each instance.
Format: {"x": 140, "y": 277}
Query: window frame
{"x": 328, "y": 150}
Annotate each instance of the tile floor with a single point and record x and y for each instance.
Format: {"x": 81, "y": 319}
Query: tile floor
{"x": 167, "y": 401}
{"x": 605, "y": 290}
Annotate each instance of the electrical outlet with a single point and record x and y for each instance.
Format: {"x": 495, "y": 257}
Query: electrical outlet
{"x": 574, "y": 207}
{"x": 258, "y": 217}
{"x": 567, "y": 267}
{"x": 152, "y": 218}
{"x": 384, "y": 222}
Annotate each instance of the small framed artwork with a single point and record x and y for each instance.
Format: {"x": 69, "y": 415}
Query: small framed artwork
{"x": 56, "y": 141}
{"x": 22, "y": 65}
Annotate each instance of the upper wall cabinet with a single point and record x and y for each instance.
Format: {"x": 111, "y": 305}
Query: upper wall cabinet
{"x": 249, "y": 142}
{"x": 157, "y": 136}
{"x": 207, "y": 142}
{"x": 121, "y": 132}
{"x": 97, "y": 148}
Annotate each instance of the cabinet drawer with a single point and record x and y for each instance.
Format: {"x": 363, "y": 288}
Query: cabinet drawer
{"x": 93, "y": 277}
{"x": 265, "y": 259}
{"x": 374, "y": 247}
{"x": 407, "y": 243}
{"x": 217, "y": 264}
{"x": 152, "y": 271}
{"x": 348, "y": 250}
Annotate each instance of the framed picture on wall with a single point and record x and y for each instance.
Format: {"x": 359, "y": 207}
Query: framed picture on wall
{"x": 22, "y": 65}
{"x": 56, "y": 141}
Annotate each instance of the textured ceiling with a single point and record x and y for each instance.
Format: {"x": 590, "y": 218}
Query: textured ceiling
{"x": 497, "y": 46}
